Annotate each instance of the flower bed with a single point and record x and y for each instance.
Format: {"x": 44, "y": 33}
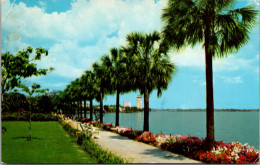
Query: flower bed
{"x": 189, "y": 146}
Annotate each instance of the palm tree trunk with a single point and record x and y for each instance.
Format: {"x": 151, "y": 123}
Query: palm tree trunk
{"x": 210, "y": 139}
{"x": 91, "y": 109}
{"x": 101, "y": 108}
{"x": 146, "y": 111}
{"x": 117, "y": 107}
{"x": 71, "y": 108}
{"x": 85, "y": 108}
{"x": 78, "y": 107}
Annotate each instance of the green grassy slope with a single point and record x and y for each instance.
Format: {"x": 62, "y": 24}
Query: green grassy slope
{"x": 49, "y": 144}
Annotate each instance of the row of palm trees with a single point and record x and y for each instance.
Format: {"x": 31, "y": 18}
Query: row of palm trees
{"x": 143, "y": 64}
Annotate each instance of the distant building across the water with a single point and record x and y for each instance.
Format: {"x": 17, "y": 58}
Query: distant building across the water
{"x": 139, "y": 102}
{"x": 127, "y": 104}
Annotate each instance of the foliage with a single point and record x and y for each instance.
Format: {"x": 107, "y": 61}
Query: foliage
{"x": 102, "y": 155}
{"x": 24, "y": 116}
{"x": 82, "y": 119}
{"x": 189, "y": 22}
{"x": 45, "y": 103}
{"x": 17, "y": 102}
{"x": 3, "y": 130}
{"x": 34, "y": 88}
{"x": 150, "y": 66}
{"x": 97, "y": 113}
{"x": 20, "y": 66}
{"x": 14, "y": 102}
{"x": 80, "y": 137}
{"x": 147, "y": 137}
{"x": 69, "y": 129}
{"x": 133, "y": 109}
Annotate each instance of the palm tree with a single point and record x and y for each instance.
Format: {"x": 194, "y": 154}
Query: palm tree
{"x": 103, "y": 84}
{"x": 116, "y": 68}
{"x": 152, "y": 67}
{"x": 77, "y": 87}
{"x": 74, "y": 91}
{"x": 213, "y": 23}
{"x": 89, "y": 87}
{"x": 69, "y": 97}
{"x": 83, "y": 93}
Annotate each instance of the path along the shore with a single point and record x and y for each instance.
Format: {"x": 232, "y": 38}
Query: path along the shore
{"x": 136, "y": 151}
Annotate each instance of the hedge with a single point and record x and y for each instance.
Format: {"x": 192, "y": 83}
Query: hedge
{"x": 24, "y": 116}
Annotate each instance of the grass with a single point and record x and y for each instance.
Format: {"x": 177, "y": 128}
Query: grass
{"x": 50, "y": 144}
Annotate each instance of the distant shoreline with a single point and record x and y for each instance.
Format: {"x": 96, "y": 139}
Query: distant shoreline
{"x": 203, "y": 110}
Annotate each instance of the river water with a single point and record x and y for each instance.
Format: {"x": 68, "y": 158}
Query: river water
{"x": 229, "y": 126}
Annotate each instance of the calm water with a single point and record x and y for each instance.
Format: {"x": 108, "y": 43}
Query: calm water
{"x": 229, "y": 126}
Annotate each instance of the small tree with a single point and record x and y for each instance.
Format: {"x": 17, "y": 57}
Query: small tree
{"x": 20, "y": 66}
{"x": 35, "y": 88}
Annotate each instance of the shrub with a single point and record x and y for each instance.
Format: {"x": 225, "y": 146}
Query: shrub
{"x": 24, "y": 116}
{"x": 147, "y": 137}
{"x": 80, "y": 138}
{"x": 70, "y": 130}
{"x": 103, "y": 156}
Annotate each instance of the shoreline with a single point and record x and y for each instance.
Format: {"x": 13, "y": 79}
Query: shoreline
{"x": 203, "y": 110}
{"x": 191, "y": 110}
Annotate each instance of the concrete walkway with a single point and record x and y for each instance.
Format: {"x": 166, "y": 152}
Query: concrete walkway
{"x": 138, "y": 152}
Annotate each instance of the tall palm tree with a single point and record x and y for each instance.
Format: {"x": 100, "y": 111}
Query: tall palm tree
{"x": 152, "y": 67}
{"x": 116, "y": 68}
{"x": 68, "y": 94}
{"x": 103, "y": 84}
{"x": 75, "y": 93}
{"x": 90, "y": 92}
{"x": 83, "y": 93}
{"x": 221, "y": 29}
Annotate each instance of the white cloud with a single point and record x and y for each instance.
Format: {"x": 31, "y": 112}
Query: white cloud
{"x": 200, "y": 82}
{"x": 189, "y": 57}
{"x": 231, "y": 80}
{"x": 195, "y": 57}
{"x": 233, "y": 63}
{"x": 55, "y": 84}
{"x": 13, "y": 43}
{"x": 87, "y": 20}
{"x": 43, "y": 4}
{"x": 80, "y": 34}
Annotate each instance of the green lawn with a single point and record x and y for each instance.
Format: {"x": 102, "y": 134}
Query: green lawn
{"x": 50, "y": 144}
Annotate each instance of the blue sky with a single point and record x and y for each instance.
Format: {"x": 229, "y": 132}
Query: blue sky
{"x": 78, "y": 32}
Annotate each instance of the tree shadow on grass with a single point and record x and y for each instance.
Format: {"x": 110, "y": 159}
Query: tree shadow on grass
{"x": 163, "y": 154}
{"x": 26, "y": 138}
